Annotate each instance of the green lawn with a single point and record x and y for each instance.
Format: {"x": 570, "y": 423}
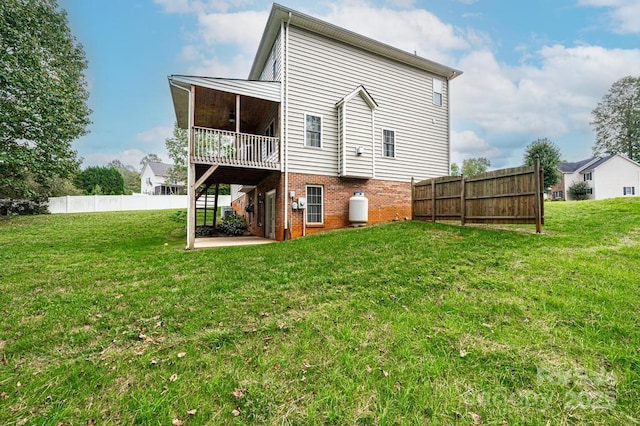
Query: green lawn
{"x": 104, "y": 317}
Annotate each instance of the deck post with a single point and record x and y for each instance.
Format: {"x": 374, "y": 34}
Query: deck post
{"x": 538, "y": 196}
{"x": 215, "y": 207}
{"x": 191, "y": 176}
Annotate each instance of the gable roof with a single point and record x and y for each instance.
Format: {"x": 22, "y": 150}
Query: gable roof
{"x": 159, "y": 169}
{"x": 574, "y": 167}
{"x": 590, "y": 164}
{"x": 280, "y": 14}
{"x": 364, "y": 94}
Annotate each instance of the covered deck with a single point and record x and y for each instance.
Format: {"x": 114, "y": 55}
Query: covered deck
{"x": 233, "y": 127}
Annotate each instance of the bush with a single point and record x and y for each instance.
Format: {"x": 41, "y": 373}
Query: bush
{"x": 9, "y": 207}
{"x": 578, "y": 191}
{"x": 179, "y": 217}
{"x": 232, "y": 225}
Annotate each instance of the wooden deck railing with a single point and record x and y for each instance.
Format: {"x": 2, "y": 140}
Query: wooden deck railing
{"x": 213, "y": 146}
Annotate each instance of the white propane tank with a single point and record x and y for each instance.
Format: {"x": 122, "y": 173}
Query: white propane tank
{"x": 358, "y": 209}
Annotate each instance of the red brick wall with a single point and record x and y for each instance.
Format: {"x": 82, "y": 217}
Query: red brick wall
{"x": 388, "y": 201}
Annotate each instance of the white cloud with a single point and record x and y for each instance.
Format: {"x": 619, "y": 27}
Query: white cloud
{"x": 241, "y": 29}
{"x": 199, "y": 6}
{"x": 154, "y": 135}
{"x": 411, "y": 30}
{"x": 551, "y": 99}
{"x": 467, "y": 144}
{"x": 624, "y": 14}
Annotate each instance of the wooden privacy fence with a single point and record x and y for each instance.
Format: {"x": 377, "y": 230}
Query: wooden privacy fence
{"x": 503, "y": 196}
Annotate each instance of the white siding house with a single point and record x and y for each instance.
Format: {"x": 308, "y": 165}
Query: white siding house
{"x": 325, "y": 112}
{"x": 608, "y": 177}
{"x": 154, "y": 180}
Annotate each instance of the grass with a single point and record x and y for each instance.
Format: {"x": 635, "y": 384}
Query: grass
{"x": 105, "y": 318}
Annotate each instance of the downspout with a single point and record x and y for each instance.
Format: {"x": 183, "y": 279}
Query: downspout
{"x": 191, "y": 218}
{"x": 286, "y": 128}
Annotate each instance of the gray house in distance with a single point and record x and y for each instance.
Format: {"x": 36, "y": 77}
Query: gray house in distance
{"x": 324, "y": 112}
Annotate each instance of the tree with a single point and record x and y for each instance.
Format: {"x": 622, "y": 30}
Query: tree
{"x": 43, "y": 97}
{"x": 616, "y": 120}
{"x": 100, "y": 180}
{"x": 475, "y": 166}
{"x": 549, "y": 160}
{"x": 455, "y": 169}
{"x": 579, "y": 190}
{"x": 130, "y": 176}
{"x": 149, "y": 158}
{"x": 177, "y": 148}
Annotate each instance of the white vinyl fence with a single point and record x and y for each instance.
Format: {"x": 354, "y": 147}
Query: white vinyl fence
{"x": 112, "y": 203}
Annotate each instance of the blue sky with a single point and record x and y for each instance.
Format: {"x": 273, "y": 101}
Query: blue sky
{"x": 532, "y": 69}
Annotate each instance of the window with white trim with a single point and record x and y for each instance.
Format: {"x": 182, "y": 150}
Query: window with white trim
{"x": 629, "y": 190}
{"x": 388, "y": 143}
{"x": 437, "y": 92}
{"x": 315, "y": 204}
{"x": 588, "y": 176}
{"x": 557, "y": 194}
{"x": 313, "y": 130}
{"x": 590, "y": 191}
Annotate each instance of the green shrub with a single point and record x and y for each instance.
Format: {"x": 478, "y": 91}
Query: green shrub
{"x": 232, "y": 225}
{"x": 10, "y": 207}
{"x": 578, "y": 191}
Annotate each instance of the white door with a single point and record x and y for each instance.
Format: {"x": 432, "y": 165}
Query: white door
{"x": 270, "y": 215}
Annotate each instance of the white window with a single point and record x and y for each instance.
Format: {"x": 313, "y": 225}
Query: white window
{"x": 557, "y": 194}
{"x": 629, "y": 190}
{"x": 388, "y": 143}
{"x": 312, "y": 130}
{"x": 590, "y": 191}
{"x": 315, "y": 205}
{"x": 437, "y": 92}
{"x": 588, "y": 176}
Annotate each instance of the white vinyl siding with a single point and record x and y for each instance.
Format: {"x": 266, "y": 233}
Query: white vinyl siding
{"x": 358, "y": 138}
{"x": 322, "y": 71}
{"x": 312, "y": 131}
{"x": 271, "y": 70}
{"x": 388, "y": 143}
{"x": 315, "y": 205}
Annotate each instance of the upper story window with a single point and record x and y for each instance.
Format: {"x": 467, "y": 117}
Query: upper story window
{"x": 437, "y": 92}
{"x": 312, "y": 130}
{"x": 588, "y": 176}
{"x": 315, "y": 213}
{"x": 388, "y": 143}
{"x": 629, "y": 190}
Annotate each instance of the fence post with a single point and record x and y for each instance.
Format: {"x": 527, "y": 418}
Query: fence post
{"x": 463, "y": 204}
{"x": 433, "y": 199}
{"x": 537, "y": 199}
{"x": 413, "y": 196}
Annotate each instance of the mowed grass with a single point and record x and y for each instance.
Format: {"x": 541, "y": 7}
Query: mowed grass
{"x": 106, "y": 319}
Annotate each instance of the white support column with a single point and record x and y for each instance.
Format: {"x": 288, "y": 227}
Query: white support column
{"x": 191, "y": 176}
{"x": 237, "y": 113}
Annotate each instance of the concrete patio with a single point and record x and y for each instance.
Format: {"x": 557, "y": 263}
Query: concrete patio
{"x": 213, "y": 242}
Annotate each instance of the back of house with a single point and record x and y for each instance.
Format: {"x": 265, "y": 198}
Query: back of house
{"x": 352, "y": 115}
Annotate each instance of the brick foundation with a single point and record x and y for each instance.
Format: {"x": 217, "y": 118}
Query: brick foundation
{"x": 388, "y": 201}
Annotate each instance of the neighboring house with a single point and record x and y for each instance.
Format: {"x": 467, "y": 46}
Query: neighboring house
{"x": 325, "y": 112}
{"x": 607, "y": 177}
{"x": 154, "y": 180}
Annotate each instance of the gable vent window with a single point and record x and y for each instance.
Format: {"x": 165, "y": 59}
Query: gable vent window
{"x": 312, "y": 130}
{"x": 629, "y": 190}
{"x": 437, "y": 92}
